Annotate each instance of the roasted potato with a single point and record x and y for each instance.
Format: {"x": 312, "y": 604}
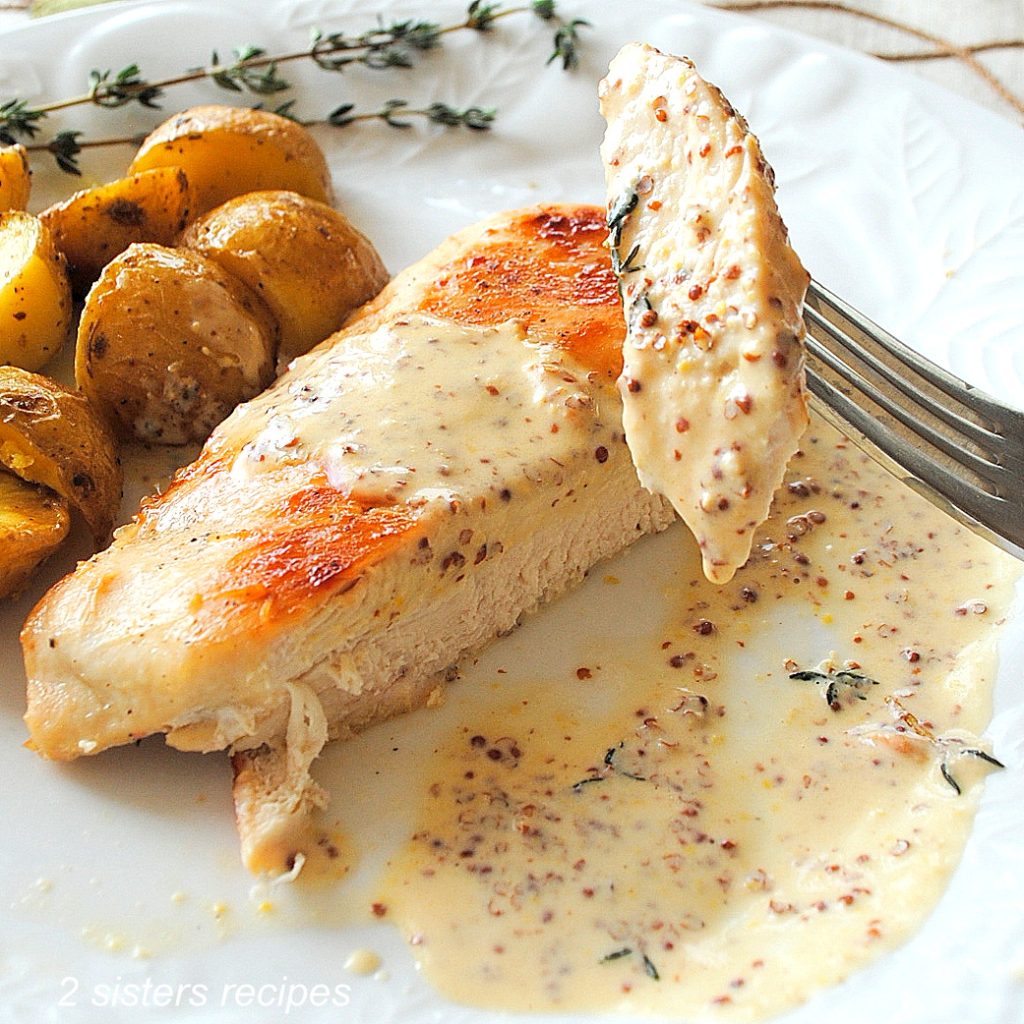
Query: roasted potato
{"x": 51, "y": 436}
{"x": 15, "y": 178}
{"x": 35, "y": 295}
{"x": 94, "y": 226}
{"x": 33, "y": 522}
{"x": 169, "y": 344}
{"x": 226, "y": 151}
{"x": 306, "y": 261}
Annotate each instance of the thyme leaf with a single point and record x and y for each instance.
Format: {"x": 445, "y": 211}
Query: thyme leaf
{"x": 626, "y": 266}
{"x": 835, "y": 679}
{"x": 395, "y": 113}
{"x": 481, "y": 16}
{"x": 618, "y": 954}
{"x": 948, "y": 776}
{"x": 619, "y": 214}
{"x": 125, "y": 87}
{"x": 65, "y": 148}
{"x": 967, "y": 752}
{"x": 987, "y": 758}
{"x": 608, "y": 769}
{"x": 649, "y": 969}
{"x": 567, "y": 43}
{"x": 247, "y": 72}
{"x": 17, "y": 118}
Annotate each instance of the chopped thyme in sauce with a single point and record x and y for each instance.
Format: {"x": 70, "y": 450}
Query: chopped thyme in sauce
{"x": 835, "y": 679}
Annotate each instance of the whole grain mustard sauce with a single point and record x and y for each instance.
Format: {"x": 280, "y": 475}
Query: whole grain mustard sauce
{"x": 743, "y": 804}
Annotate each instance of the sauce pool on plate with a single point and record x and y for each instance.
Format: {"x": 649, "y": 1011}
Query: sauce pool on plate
{"x": 750, "y": 800}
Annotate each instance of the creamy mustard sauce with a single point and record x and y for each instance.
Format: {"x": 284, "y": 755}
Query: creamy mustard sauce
{"x": 712, "y": 386}
{"x": 745, "y": 805}
{"x": 422, "y": 409}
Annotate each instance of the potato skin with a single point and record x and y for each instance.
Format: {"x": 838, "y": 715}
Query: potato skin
{"x": 306, "y": 260}
{"x": 33, "y": 523}
{"x": 97, "y": 224}
{"x": 226, "y": 151}
{"x": 35, "y": 293}
{"x": 15, "y": 178}
{"x": 50, "y": 435}
{"x": 168, "y": 344}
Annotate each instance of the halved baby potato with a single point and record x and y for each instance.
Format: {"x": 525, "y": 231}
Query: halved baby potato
{"x": 15, "y": 178}
{"x": 35, "y": 294}
{"x": 169, "y": 344}
{"x": 306, "y": 261}
{"x": 226, "y": 151}
{"x": 97, "y": 224}
{"x": 50, "y": 435}
{"x": 33, "y": 523}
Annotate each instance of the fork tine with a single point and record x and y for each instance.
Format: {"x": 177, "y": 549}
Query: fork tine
{"x": 989, "y": 440}
{"x": 988, "y": 473}
{"x": 959, "y": 446}
{"x": 1000, "y": 418}
{"x": 942, "y": 484}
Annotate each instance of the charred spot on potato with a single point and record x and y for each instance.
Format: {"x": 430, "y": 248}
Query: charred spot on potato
{"x": 126, "y": 213}
{"x": 84, "y": 483}
{"x": 98, "y": 346}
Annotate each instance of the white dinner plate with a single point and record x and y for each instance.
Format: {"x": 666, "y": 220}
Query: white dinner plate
{"x": 900, "y": 196}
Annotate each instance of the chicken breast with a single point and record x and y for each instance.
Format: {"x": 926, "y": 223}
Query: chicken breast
{"x": 449, "y": 461}
{"x": 713, "y": 378}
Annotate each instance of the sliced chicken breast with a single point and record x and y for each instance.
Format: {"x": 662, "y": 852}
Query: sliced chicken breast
{"x": 713, "y": 382}
{"x": 449, "y": 461}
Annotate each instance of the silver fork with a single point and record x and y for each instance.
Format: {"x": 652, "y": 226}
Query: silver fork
{"x": 956, "y": 445}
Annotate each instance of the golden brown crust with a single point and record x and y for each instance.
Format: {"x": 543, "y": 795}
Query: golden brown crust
{"x": 244, "y": 578}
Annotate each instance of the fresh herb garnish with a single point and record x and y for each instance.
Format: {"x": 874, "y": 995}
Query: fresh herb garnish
{"x": 626, "y": 266}
{"x": 967, "y": 752}
{"x": 617, "y": 955}
{"x": 254, "y": 70}
{"x": 608, "y": 769}
{"x": 618, "y": 214}
{"x": 949, "y": 748}
{"x": 395, "y": 113}
{"x": 649, "y": 969}
{"x": 567, "y": 44}
{"x": 835, "y": 679}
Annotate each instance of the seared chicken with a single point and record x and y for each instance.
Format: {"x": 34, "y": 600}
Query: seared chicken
{"x": 449, "y": 461}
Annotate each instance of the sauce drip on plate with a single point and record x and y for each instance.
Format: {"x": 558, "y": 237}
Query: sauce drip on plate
{"x": 755, "y": 798}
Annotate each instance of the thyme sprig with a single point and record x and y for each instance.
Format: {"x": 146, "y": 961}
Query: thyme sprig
{"x": 64, "y": 147}
{"x": 609, "y": 767}
{"x": 567, "y": 44}
{"x": 951, "y": 748}
{"x": 618, "y": 214}
{"x": 395, "y": 113}
{"x": 648, "y": 964}
{"x": 126, "y": 86}
{"x": 834, "y": 679}
{"x": 254, "y": 70}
